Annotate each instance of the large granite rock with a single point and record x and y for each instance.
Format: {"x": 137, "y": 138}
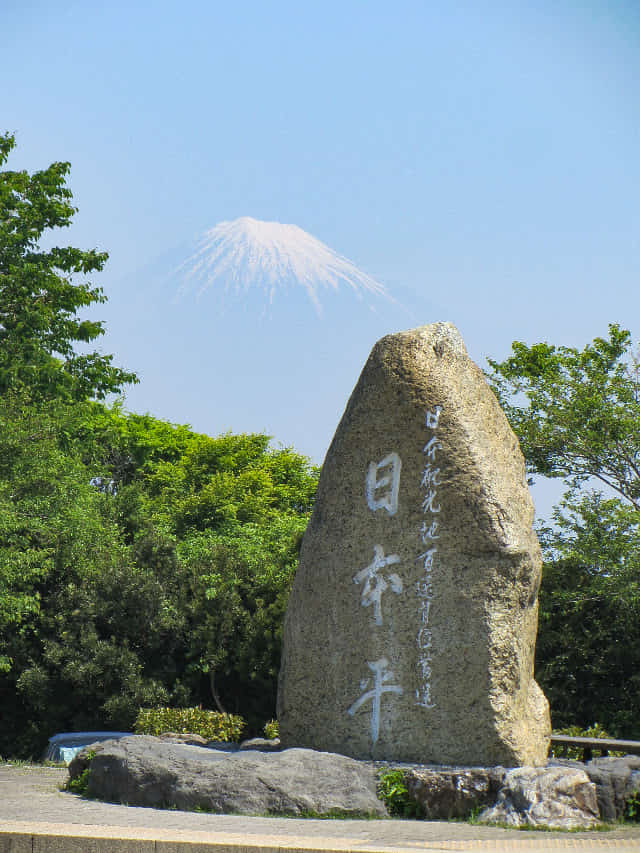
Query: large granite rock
{"x": 147, "y": 771}
{"x": 411, "y": 626}
{"x": 550, "y": 797}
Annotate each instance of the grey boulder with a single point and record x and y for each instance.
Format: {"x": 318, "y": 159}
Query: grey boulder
{"x": 444, "y": 793}
{"x": 616, "y": 780}
{"x": 146, "y": 771}
{"x": 555, "y": 797}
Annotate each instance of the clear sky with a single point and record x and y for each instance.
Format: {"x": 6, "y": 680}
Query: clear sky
{"x": 480, "y": 159}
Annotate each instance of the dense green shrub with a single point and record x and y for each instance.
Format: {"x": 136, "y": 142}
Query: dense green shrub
{"x": 104, "y": 609}
{"x": 208, "y": 724}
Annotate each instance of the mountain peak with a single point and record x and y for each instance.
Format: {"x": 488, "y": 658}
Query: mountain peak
{"x": 248, "y": 254}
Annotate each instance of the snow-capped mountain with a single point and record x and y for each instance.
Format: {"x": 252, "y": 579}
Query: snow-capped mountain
{"x": 248, "y": 256}
{"x": 262, "y": 328}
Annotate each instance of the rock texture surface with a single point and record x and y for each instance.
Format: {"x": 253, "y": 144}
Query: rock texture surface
{"x": 554, "y": 797}
{"x": 616, "y": 780}
{"x": 198, "y": 740}
{"x": 411, "y": 626}
{"x": 445, "y": 793}
{"x": 147, "y": 771}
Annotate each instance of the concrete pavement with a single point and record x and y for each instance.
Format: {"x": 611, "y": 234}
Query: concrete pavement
{"x": 37, "y": 817}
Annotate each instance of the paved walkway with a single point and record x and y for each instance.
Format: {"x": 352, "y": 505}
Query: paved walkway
{"x": 37, "y": 817}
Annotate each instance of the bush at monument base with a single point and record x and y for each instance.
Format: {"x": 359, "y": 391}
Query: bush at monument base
{"x": 210, "y": 725}
{"x": 410, "y": 630}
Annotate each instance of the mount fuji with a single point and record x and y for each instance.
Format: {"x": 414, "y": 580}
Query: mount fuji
{"x": 254, "y": 327}
{"x": 248, "y": 256}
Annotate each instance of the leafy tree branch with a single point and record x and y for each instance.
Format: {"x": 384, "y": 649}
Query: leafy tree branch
{"x": 576, "y": 412}
{"x": 39, "y": 296}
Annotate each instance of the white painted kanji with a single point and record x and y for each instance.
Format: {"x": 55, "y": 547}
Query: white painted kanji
{"x": 428, "y": 534}
{"x": 383, "y": 483}
{"x": 381, "y": 677}
{"x": 430, "y": 477}
{"x": 428, "y": 502}
{"x": 375, "y": 584}
{"x": 432, "y": 419}
{"x": 431, "y": 446}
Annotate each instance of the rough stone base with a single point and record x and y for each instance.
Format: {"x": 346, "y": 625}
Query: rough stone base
{"x": 457, "y": 793}
{"x": 554, "y": 797}
{"x": 616, "y": 780}
{"x": 150, "y": 771}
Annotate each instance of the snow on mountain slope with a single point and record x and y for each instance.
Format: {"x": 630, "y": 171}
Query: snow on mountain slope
{"x": 248, "y": 255}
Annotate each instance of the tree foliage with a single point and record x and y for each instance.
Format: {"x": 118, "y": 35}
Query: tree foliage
{"x": 588, "y": 651}
{"x": 226, "y": 515}
{"x": 576, "y": 412}
{"x": 113, "y": 596}
{"x": 73, "y": 605}
{"x": 39, "y": 297}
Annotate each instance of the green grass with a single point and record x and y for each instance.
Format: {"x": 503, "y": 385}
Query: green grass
{"x": 29, "y": 762}
{"x": 527, "y": 827}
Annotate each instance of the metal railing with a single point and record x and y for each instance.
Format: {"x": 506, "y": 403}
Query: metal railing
{"x": 604, "y": 745}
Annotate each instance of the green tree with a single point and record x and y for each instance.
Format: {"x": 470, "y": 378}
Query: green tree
{"x": 69, "y": 588}
{"x": 576, "y": 412}
{"x": 39, "y": 297}
{"x": 235, "y": 589}
{"x": 141, "y": 563}
{"x": 588, "y": 650}
{"x": 218, "y": 522}
{"x": 107, "y": 643}
{"x": 577, "y": 415}
{"x": 227, "y": 515}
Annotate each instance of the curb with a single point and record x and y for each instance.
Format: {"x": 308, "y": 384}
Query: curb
{"x": 24, "y": 837}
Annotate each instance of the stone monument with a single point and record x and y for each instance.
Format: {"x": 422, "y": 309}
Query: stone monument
{"x": 410, "y": 630}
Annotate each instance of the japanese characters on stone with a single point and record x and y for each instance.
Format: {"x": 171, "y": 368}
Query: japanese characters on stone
{"x": 382, "y": 483}
{"x": 375, "y": 583}
{"x": 429, "y": 536}
{"x": 381, "y": 675}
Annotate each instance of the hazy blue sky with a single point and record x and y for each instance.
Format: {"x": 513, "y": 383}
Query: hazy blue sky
{"x": 480, "y": 159}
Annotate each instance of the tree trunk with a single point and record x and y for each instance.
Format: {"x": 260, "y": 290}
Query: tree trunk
{"x": 214, "y": 693}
